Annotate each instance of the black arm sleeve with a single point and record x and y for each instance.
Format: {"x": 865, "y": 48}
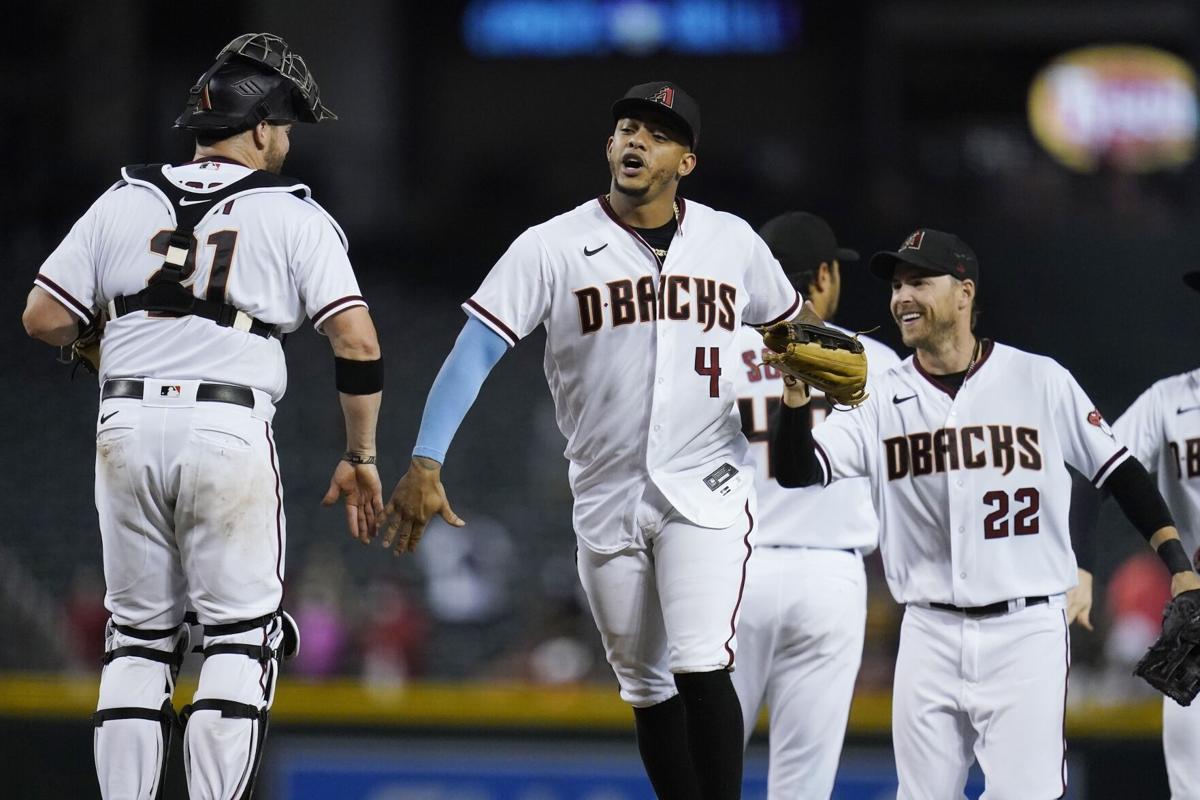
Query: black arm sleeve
{"x": 793, "y": 451}
{"x": 1085, "y": 510}
{"x": 1138, "y": 497}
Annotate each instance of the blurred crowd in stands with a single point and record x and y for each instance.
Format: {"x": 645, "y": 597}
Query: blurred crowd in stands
{"x": 452, "y": 615}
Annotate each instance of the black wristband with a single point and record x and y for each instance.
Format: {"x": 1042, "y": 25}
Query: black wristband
{"x": 1173, "y": 555}
{"x": 358, "y": 377}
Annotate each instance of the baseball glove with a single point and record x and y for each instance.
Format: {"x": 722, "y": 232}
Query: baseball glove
{"x": 1172, "y": 664}
{"x": 822, "y": 357}
{"x": 85, "y": 350}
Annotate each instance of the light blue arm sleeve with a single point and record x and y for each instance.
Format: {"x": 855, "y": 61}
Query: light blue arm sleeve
{"x": 457, "y": 385}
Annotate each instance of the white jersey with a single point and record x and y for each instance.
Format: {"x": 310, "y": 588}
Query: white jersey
{"x": 971, "y": 489}
{"x": 640, "y": 361}
{"x": 271, "y": 254}
{"x": 1162, "y": 428}
{"x": 841, "y": 516}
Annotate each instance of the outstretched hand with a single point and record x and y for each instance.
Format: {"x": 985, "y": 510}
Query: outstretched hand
{"x": 360, "y": 485}
{"x": 1079, "y": 601}
{"x": 417, "y": 497}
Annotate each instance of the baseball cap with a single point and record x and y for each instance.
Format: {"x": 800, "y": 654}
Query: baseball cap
{"x": 802, "y": 241}
{"x": 666, "y": 97}
{"x": 936, "y": 251}
{"x": 1192, "y": 279}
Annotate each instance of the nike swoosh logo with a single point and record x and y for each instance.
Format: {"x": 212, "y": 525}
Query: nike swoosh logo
{"x": 897, "y": 399}
{"x": 587, "y": 252}
{"x": 1189, "y": 408}
{"x": 106, "y": 417}
{"x": 183, "y": 201}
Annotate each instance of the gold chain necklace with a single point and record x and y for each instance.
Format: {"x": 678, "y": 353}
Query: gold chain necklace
{"x": 974, "y": 355}
{"x": 661, "y": 254}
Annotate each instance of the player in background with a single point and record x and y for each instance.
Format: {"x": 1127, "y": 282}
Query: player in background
{"x": 1162, "y": 429}
{"x": 965, "y": 444}
{"x": 800, "y": 639}
{"x": 641, "y": 294}
{"x": 187, "y": 478}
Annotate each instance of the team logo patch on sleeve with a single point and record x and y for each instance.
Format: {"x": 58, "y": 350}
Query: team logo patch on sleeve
{"x": 1095, "y": 419}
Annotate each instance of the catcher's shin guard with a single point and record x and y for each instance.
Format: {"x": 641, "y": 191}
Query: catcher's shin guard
{"x": 134, "y": 718}
{"x": 226, "y": 723}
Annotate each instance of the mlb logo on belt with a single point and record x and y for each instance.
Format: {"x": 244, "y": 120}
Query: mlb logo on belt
{"x": 169, "y": 391}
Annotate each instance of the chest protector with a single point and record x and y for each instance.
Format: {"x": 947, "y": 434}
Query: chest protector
{"x": 165, "y": 292}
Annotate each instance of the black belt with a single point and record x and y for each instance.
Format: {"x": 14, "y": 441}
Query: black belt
{"x": 206, "y": 392}
{"x": 850, "y": 550}
{"x": 994, "y": 608}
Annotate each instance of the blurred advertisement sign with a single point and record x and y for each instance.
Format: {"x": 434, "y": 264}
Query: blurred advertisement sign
{"x": 1125, "y": 106}
{"x": 573, "y": 28}
{"x": 478, "y": 770}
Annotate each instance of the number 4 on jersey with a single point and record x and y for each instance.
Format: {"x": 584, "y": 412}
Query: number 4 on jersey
{"x": 710, "y": 368}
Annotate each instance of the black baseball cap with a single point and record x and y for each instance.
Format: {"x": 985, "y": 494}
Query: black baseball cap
{"x": 936, "y": 251}
{"x": 666, "y": 97}
{"x": 802, "y": 242}
{"x": 1192, "y": 279}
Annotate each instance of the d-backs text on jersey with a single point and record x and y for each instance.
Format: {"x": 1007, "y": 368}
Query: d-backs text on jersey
{"x": 1186, "y": 458}
{"x": 971, "y": 447}
{"x": 677, "y": 297}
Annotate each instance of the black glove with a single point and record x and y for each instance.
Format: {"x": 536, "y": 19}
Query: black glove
{"x": 1172, "y": 664}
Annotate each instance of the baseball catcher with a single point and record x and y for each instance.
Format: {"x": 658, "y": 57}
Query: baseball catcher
{"x": 1172, "y": 664}
{"x": 188, "y": 276}
{"x": 821, "y": 357}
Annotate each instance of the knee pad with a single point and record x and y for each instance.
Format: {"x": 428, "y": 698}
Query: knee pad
{"x": 226, "y": 724}
{"x": 134, "y": 719}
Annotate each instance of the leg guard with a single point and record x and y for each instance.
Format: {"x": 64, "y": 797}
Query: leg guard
{"x": 226, "y": 723}
{"x": 134, "y": 718}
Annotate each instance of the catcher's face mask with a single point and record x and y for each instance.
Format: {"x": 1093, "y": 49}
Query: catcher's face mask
{"x": 256, "y": 77}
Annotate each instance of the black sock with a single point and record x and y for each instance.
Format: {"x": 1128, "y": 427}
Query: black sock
{"x": 714, "y": 732}
{"x": 662, "y": 743}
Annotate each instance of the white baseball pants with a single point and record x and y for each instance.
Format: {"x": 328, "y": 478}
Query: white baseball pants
{"x": 191, "y": 514}
{"x": 800, "y": 642}
{"x": 1181, "y": 747}
{"x": 669, "y": 603}
{"x": 990, "y": 688}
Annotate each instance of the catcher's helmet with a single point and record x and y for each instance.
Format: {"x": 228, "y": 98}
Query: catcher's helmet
{"x": 256, "y": 77}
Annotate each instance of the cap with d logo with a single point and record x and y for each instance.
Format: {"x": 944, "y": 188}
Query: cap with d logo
{"x": 666, "y": 97}
{"x": 936, "y": 251}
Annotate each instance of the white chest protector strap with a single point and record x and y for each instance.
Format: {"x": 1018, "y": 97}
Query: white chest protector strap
{"x": 165, "y": 293}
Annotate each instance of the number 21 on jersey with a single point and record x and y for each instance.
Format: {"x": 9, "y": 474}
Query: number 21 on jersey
{"x": 224, "y": 243}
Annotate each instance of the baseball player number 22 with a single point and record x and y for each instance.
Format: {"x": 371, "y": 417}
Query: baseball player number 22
{"x": 1025, "y": 521}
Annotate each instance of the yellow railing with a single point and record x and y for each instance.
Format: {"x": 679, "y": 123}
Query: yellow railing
{"x": 489, "y": 705}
